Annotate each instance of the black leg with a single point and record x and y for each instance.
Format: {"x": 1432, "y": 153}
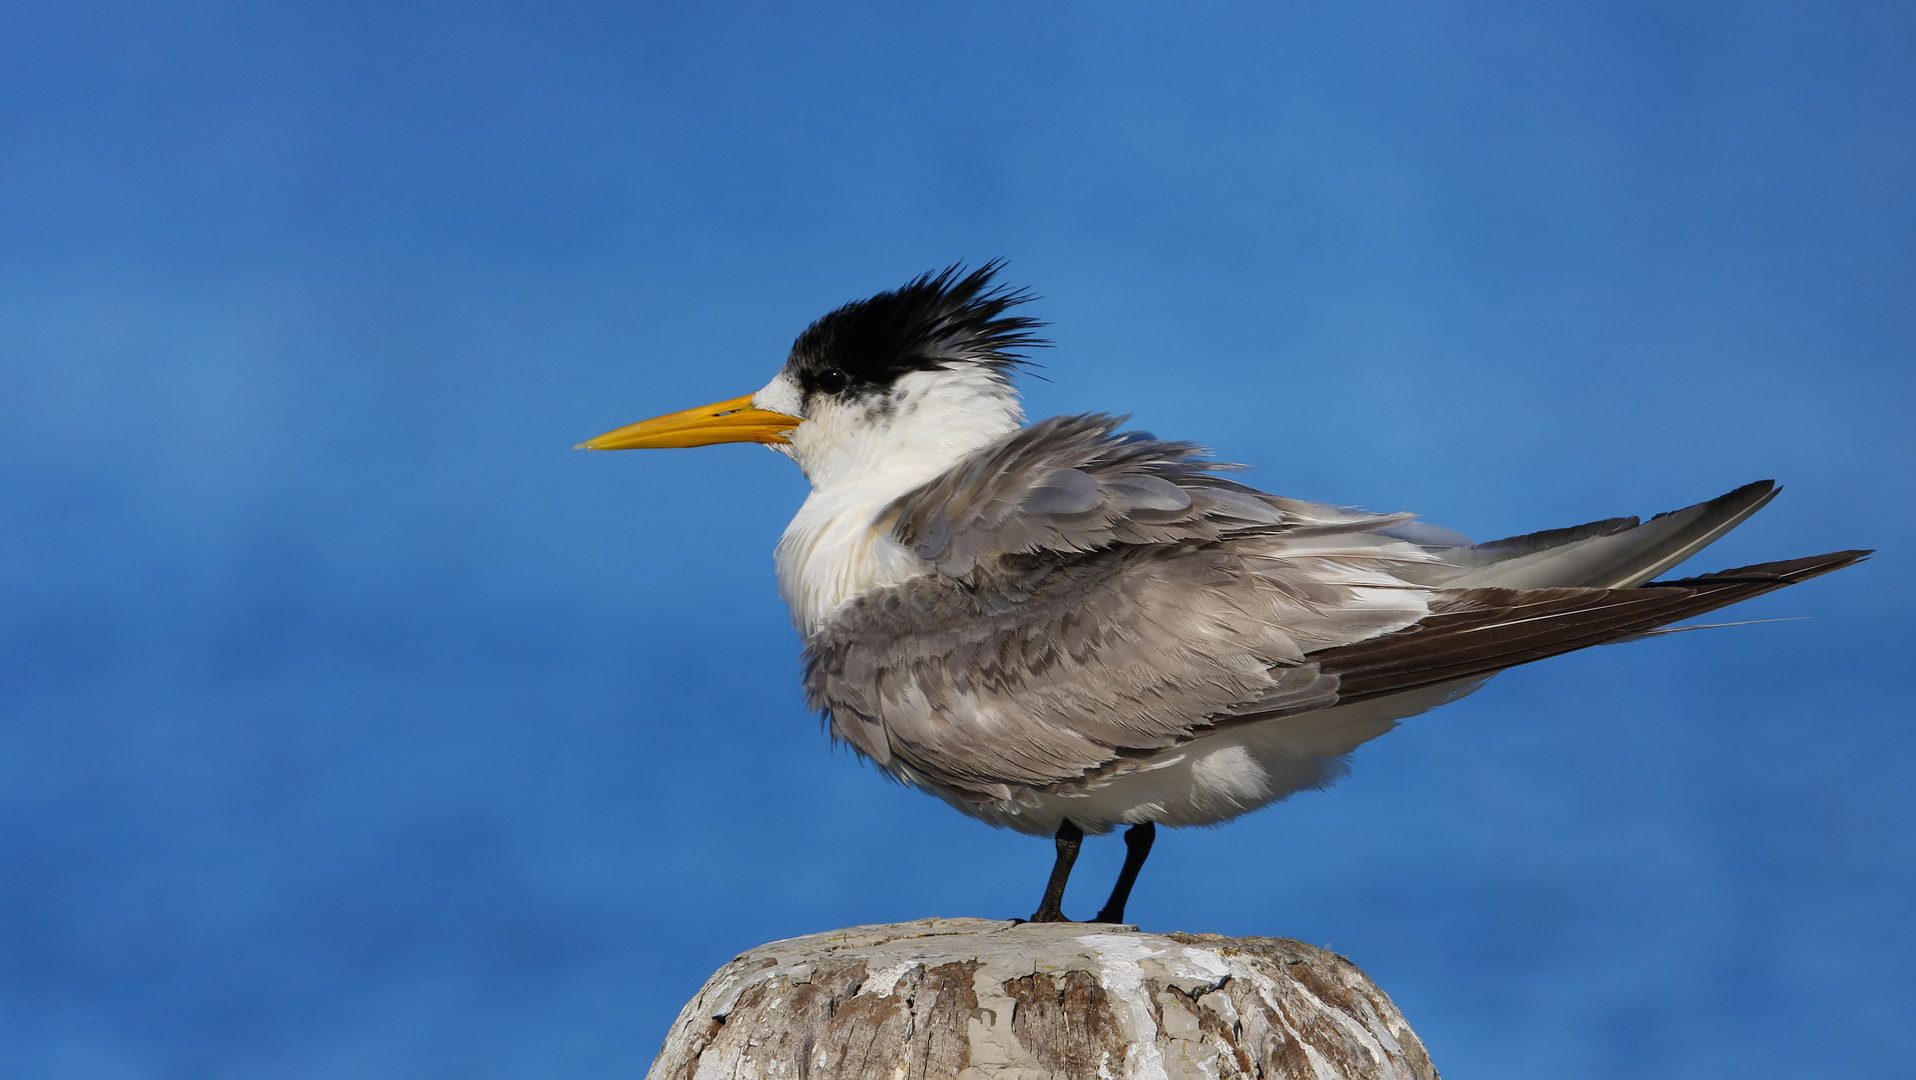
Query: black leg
{"x": 1137, "y": 848}
{"x": 1069, "y": 837}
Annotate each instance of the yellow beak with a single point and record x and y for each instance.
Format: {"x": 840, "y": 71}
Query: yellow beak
{"x": 725, "y": 421}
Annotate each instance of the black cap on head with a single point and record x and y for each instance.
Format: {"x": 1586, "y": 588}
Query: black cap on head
{"x": 933, "y": 322}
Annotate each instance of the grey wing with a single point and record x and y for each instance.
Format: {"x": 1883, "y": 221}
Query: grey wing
{"x": 1108, "y": 654}
{"x": 1098, "y": 594}
{"x": 1125, "y": 654}
{"x": 1078, "y": 484}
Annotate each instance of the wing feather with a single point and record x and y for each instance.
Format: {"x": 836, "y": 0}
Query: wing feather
{"x": 1076, "y": 484}
{"x": 1120, "y": 651}
{"x": 1612, "y": 554}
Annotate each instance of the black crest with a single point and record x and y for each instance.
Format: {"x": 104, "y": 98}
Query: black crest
{"x": 933, "y": 322}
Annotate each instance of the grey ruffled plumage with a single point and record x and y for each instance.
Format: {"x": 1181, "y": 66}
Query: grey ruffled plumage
{"x": 1100, "y": 599}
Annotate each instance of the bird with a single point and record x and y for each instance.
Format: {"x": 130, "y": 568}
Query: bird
{"x": 1066, "y": 627}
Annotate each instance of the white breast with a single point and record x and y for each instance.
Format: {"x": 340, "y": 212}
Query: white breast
{"x": 832, "y": 551}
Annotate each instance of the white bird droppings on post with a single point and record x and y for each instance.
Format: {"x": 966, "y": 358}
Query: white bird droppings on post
{"x": 977, "y": 999}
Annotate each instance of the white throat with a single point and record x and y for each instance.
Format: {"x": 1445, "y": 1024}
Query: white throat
{"x": 860, "y": 456}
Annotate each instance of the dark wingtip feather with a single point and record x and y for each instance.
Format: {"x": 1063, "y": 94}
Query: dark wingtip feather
{"x": 1738, "y": 505}
{"x": 1782, "y": 572}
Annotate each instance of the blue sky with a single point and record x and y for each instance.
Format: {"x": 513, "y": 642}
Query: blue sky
{"x": 352, "y": 724}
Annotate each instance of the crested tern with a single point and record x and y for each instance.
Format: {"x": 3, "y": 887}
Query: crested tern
{"x": 1063, "y": 627}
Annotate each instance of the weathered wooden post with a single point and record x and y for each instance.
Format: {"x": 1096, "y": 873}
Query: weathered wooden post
{"x": 977, "y": 999}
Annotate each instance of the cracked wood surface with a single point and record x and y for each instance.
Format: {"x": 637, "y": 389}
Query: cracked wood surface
{"x": 979, "y": 999}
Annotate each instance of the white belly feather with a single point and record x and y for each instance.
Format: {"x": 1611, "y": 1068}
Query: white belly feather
{"x": 1217, "y": 777}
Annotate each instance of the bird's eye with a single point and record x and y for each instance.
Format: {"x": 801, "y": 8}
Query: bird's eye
{"x": 833, "y": 381}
